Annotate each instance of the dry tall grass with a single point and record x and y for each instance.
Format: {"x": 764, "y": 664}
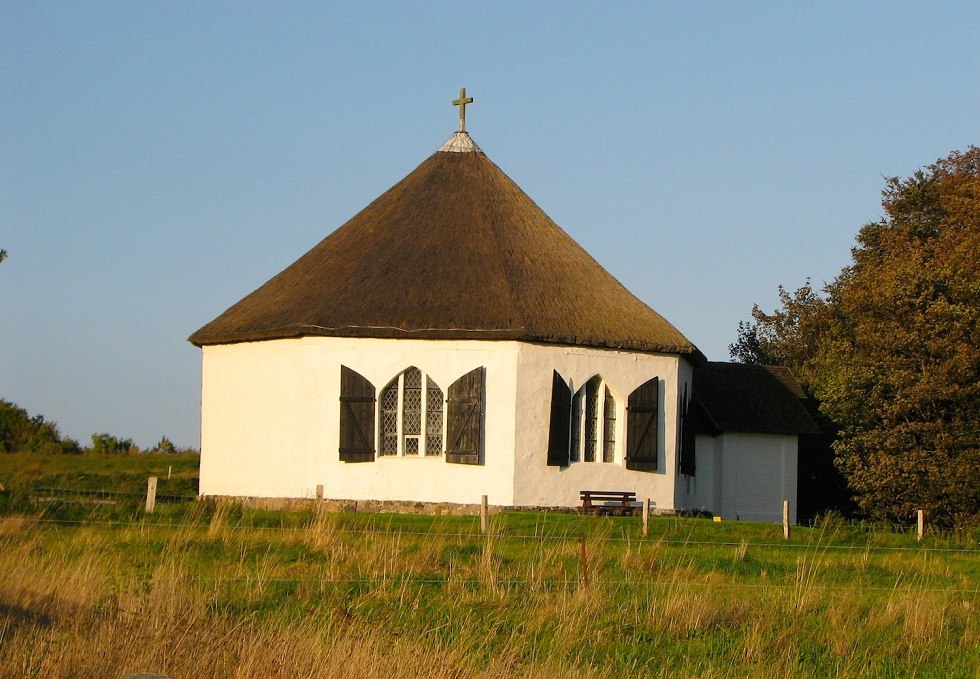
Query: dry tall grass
{"x": 215, "y": 600}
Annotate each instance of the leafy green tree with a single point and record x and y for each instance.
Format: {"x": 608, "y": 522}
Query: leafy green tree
{"x": 21, "y": 432}
{"x": 165, "y": 447}
{"x": 107, "y": 444}
{"x": 893, "y": 351}
{"x": 15, "y": 427}
{"x": 789, "y": 336}
{"x": 899, "y": 370}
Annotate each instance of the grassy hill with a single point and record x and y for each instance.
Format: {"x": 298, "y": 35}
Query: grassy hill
{"x": 119, "y": 473}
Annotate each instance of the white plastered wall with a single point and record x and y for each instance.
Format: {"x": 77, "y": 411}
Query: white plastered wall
{"x": 758, "y": 472}
{"x": 270, "y": 420}
{"x": 536, "y": 483}
{"x": 743, "y": 476}
{"x": 702, "y": 493}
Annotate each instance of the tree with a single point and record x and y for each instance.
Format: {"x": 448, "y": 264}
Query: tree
{"x": 107, "y": 444}
{"x": 165, "y": 447}
{"x": 900, "y": 368}
{"x": 21, "y": 432}
{"x": 3, "y": 255}
{"x": 789, "y": 336}
{"x": 893, "y": 351}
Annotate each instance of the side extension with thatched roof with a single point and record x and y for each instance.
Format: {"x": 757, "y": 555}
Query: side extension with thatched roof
{"x": 751, "y": 398}
{"x": 748, "y": 419}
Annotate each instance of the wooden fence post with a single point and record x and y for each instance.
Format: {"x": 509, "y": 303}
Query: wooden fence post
{"x": 151, "y": 494}
{"x": 785, "y": 519}
{"x": 319, "y": 491}
{"x": 585, "y": 565}
{"x": 483, "y": 515}
{"x": 646, "y": 516}
{"x": 921, "y": 528}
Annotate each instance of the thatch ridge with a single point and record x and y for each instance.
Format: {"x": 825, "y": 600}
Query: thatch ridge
{"x": 455, "y": 250}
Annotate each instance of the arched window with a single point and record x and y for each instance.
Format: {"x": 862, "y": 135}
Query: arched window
{"x": 593, "y": 423}
{"x": 412, "y": 416}
{"x": 609, "y": 428}
{"x": 575, "y": 449}
{"x": 434, "y": 417}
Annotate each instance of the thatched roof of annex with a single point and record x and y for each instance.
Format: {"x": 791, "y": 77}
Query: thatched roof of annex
{"x": 455, "y": 250}
{"x": 751, "y": 398}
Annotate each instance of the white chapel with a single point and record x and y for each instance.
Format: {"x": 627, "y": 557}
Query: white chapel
{"x": 451, "y": 341}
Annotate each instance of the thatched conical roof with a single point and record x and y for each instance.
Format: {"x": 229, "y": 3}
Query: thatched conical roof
{"x": 455, "y": 250}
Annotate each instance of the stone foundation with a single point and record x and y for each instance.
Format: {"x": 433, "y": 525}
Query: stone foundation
{"x": 354, "y": 506}
{"x": 397, "y": 507}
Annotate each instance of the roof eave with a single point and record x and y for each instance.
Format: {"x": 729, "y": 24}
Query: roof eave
{"x": 201, "y": 339}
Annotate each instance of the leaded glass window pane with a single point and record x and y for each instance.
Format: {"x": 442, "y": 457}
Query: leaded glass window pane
{"x": 389, "y": 419}
{"x": 609, "y": 428}
{"x": 420, "y": 421}
{"x": 433, "y": 418}
{"x": 575, "y": 452}
{"x": 591, "y": 418}
{"x": 412, "y": 403}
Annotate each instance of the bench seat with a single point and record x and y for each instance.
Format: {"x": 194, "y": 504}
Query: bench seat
{"x": 625, "y": 498}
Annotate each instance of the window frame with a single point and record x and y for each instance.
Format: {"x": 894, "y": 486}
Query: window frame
{"x": 422, "y": 436}
{"x": 578, "y": 444}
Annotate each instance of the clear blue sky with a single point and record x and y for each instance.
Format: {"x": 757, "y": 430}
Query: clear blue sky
{"x": 158, "y": 161}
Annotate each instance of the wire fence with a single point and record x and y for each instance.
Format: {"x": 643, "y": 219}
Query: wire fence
{"x": 823, "y": 542}
{"x": 107, "y": 496}
{"x": 214, "y": 522}
{"x": 104, "y": 495}
{"x": 549, "y": 584}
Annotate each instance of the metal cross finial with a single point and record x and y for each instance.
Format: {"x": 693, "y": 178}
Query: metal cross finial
{"x": 462, "y": 102}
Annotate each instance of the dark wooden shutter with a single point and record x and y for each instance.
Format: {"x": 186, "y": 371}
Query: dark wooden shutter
{"x": 688, "y": 461}
{"x": 561, "y": 415}
{"x": 642, "y": 417}
{"x": 464, "y": 425}
{"x": 356, "y": 417}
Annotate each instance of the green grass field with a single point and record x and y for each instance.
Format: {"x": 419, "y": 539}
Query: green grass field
{"x": 205, "y": 589}
{"x": 118, "y": 473}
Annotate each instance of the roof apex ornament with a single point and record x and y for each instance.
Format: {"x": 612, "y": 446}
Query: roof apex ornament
{"x": 462, "y": 102}
{"x": 460, "y": 142}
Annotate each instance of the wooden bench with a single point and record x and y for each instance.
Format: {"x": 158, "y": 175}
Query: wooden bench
{"x": 623, "y": 497}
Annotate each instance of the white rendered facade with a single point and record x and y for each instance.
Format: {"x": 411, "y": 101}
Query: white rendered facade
{"x": 271, "y": 418}
{"x": 743, "y": 476}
